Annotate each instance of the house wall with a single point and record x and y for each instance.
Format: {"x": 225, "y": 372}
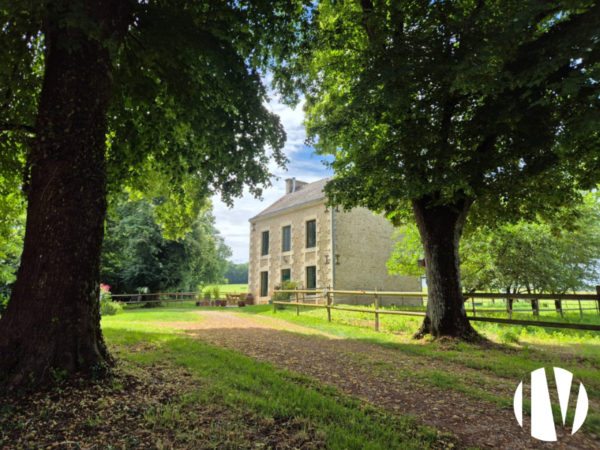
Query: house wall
{"x": 363, "y": 244}
{"x": 299, "y": 257}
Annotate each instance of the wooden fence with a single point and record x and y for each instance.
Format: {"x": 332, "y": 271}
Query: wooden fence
{"x": 157, "y": 297}
{"x": 168, "y": 297}
{"x": 327, "y": 296}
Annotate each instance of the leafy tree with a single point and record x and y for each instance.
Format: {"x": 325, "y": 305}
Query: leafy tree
{"x": 535, "y": 257}
{"x": 431, "y": 107}
{"x": 237, "y": 273}
{"x": 158, "y": 95}
{"x": 136, "y": 254}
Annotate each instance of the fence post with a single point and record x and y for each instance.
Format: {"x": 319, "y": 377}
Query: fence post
{"x": 558, "y": 307}
{"x": 376, "y": 309}
{"x": 473, "y": 306}
{"x": 598, "y": 298}
{"x": 580, "y": 309}
{"x": 509, "y": 305}
{"x": 328, "y": 306}
{"x": 535, "y": 305}
{"x": 297, "y": 307}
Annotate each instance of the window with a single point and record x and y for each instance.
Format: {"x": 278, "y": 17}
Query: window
{"x": 286, "y": 275}
{"x": 311, "y": 277}
{"x": 311, "y": 233}
{"x": 264, "y": 284}
{"x": 286, "y": 238}
{"x": 265, "y": 243}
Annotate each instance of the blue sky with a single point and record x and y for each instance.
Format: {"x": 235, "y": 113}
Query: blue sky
{"x": 304, "y": 165}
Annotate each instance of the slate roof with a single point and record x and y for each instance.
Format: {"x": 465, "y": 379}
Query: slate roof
{"x": 309, "y": 193}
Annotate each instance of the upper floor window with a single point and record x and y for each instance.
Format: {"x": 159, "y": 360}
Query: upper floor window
{"x": 265, "y": 243}
{"x": 311, "y": 233}
{"x": 286, "y": 239}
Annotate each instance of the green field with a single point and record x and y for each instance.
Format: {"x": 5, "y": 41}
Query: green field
{"x": 233, "y": 288}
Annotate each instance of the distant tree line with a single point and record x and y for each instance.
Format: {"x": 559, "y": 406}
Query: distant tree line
{"x": 237, "y": 273}
{"x": 136, "y": 254}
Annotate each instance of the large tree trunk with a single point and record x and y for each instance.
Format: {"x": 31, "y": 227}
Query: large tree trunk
{"x": 440, "y": 227}
{"x": 52, "y": 325}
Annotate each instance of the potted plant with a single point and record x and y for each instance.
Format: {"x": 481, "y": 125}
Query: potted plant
{"x": 207, "y": 297}
{"x": 242, "y": 300}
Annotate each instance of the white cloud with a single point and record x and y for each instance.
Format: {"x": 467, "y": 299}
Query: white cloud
{"x": 233, "y": 223}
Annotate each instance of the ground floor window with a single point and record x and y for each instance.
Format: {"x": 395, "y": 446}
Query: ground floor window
{"x": 311, "y": 277}
{"x": 286, "y": 275}
{"x": 264, "y": 284}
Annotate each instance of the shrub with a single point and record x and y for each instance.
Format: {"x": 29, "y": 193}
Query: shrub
{"x": 284, "y": 296}
{"x": 3, "y": 303}
{"x": 216, "y": 292}
{"x": 107, "y": 306}
{"x": 206, "y": 293}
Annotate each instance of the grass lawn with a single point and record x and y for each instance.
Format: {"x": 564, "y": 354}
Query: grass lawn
{"x": 233, "y": 288}
{"x": 252, "y": 391}
{"x": 498, "y": 368}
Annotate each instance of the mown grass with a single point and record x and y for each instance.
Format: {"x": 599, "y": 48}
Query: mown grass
{"x": 499, "y": 366}
{"x": 233, "y": 288}
{"x": 240, "y": 383}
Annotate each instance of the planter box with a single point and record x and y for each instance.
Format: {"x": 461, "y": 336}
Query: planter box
{"x": 241, "y": 303}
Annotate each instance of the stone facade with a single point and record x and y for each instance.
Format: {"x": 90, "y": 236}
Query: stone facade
{"x": 351, "y": 249}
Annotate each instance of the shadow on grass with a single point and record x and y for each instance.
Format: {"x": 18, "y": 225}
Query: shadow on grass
{"x": 228, "y": 378}
{"x": 243, "y": 382}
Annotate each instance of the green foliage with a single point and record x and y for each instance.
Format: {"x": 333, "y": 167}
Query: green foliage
{"x": 187, "y": 115}
{"x": 527, "y": 256}
{"x": 237, "y": 273}
{"x": 456, "y": 101}
{"x": 282, "y": 296}
{"x": 107, "y": 306}
{"x": 3, "y": 302}
{"x": 216, "y": 292}
{"x": 207, "y": 293}
{"x": 136, "y": 253}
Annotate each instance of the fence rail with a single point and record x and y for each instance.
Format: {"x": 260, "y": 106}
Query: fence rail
{"x": 327, "y": 294}
{"x": 165, "y": 297}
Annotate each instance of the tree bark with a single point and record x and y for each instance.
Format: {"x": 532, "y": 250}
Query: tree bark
{"x": 440, "y": 227}
{"x": 51, "y": 328}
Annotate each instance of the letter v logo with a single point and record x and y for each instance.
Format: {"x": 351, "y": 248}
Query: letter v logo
{"x": 542, "y": 421}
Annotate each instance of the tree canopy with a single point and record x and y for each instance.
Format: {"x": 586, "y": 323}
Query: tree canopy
{"x": 237, "y": 273}
{"x": 136, "y": 254}
{"x": 542, "y": 256}
{"x": 433, "y": 106}
{"x": 164, "y": 97}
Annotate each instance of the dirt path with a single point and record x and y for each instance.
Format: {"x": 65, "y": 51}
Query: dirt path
{"x": 370, "y": 372}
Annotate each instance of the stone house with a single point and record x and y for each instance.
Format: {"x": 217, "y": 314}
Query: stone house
{"x": 299, "y": 238}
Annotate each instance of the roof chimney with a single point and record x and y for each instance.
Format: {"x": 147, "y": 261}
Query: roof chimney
{"x": 293, "y": 185}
